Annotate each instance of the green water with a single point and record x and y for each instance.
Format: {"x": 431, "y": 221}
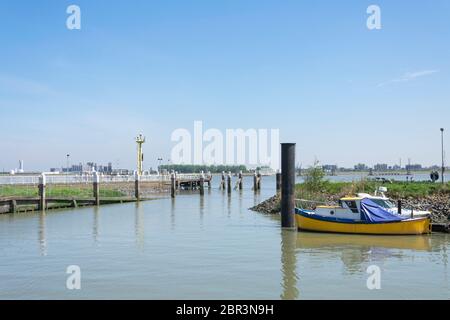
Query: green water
{"x": 208, "y": 248}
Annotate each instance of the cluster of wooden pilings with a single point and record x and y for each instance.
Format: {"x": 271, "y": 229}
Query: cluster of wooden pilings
{"x": 179, "y": 184}
{"x": 225, "y": 183}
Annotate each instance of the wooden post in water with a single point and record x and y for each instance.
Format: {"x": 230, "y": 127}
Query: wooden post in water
{"x": 137, "y": 179}
{"x": 229, "y": 182}
{"x": 209, "y": 179}
{"x": 202, "y": 182}
{"x": 222, "y": 183}
{"x": 278, "y": 179}
{"x": 288, "y": 185}
{"x": 42, "y": 200}
{"x": 13, "y": 206}
{"x": 255, "y": 182}
{"x": 240, "y": 180}
{"x": 96, "y": 187}
{"x": 172, "y": 185}
{"x": 259, "y": 180}
{"x": 177, "y": 181}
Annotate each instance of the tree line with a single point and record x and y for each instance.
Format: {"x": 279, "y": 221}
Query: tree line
{"x": 190, "y": 168}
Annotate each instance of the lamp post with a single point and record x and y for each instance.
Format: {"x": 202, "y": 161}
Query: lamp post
{"x": 442, "y": 151}
{"x": 67, "y": 167}
{"x": 160, "y": 164}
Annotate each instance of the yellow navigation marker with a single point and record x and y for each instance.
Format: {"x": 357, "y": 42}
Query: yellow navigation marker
{"x": 140, "y": 140}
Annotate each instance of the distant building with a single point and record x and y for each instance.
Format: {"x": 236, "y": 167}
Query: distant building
{"x": 413, "y": 167}
{"x": 330, "y": 168}
{"x": 380, "y": 167}
{"x": 88, "y": 167}
{"x": 361, "y": 167}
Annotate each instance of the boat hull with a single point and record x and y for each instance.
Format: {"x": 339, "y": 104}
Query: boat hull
{"x": 405, "y": 227}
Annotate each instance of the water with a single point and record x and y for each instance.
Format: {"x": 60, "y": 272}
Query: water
{"x": 208, "y": 248}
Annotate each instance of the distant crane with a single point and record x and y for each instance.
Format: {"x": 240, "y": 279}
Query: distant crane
{"x": 140, "y": 140}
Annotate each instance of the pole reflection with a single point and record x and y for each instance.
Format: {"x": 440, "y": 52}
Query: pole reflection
{"x": 172, "y": 213}
{"x": 42, "y": 234}
{"x": 95, "y": 226}
{"x": 288, "y": 265}
{"x": 139, "y": 225}
{"x": 202, "y": 209}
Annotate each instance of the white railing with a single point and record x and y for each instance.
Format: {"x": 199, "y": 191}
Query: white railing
{"x": 79, "y": 179}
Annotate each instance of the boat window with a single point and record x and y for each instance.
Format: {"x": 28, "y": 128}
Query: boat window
{"x": 352, "y": 206}
{"x": 383, "y": 203}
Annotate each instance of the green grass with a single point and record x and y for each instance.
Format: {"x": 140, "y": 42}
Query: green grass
{"x": 57, "y": 192}
{"x": 395, "y": 189}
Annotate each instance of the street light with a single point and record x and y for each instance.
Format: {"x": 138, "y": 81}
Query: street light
{"x": 160, "y": 164}
{"x": 68, "y": 156}
{"x": 442, "y": 150}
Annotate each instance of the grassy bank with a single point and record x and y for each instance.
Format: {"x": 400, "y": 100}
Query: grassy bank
{"x": 322, "y": 190}
{"x": 58, "y": 192}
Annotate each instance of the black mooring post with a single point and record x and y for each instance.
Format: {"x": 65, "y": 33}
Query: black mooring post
{"x": 229, "y": 182}
{"x": 222, "y": 183}
{"x": 172, "y": 185}
{"x": 278, "y": 181}
{"x": 399, "y": 206}
{"x": 240, "y": 180}
{"x": 287, "y": 185}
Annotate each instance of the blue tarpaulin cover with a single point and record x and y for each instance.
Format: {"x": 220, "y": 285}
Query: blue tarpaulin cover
{"x": 371, "y": 212}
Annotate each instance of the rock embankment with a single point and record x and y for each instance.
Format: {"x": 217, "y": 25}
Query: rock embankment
{"x": 438, "y": 204}
{"x": 269, "y": 206}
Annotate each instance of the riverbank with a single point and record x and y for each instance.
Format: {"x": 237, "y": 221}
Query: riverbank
{"x": 417, "y": 195}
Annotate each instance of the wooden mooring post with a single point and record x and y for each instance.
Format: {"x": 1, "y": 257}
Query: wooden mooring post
{"x": 222, "y": 182}
{"x": 209, "y": 179}
{"x": 13, "y": 206}
{"x": 258, "y": 180}
{"x": 137, "y": 193}
{"x": 278, "y": 181}
{"x": 172, "y": 185}
{"x": 229, "y": 182}
{"x": 288, "y": 185}
{"x": 96, "y": 188}
{"x": 240, "y": 180}
{"x": 42, "y": 201}
{"x": 202, "y": 182}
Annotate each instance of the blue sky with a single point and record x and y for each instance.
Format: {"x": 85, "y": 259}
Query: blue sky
{"x": 343, "y": 93}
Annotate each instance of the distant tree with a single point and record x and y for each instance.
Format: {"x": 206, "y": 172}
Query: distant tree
{"x": 314, "y": 177}
{"x": 190, "y": 168}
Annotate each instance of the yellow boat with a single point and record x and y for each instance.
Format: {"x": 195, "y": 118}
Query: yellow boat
{"x": 360, "y": 215}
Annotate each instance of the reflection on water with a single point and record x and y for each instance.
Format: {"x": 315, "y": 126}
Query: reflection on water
{"x": 95, "y": 228}
{"x": 42, "y": 234}
{"x": 288, "y": 265}
{"x": 209, "y": 247}
{"x": 139, "y": 225}
{"x": 357, "y": 250}
{"x": 172, "y": 213}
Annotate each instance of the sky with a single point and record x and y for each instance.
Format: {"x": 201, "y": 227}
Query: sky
{"x": 312, "y": 69}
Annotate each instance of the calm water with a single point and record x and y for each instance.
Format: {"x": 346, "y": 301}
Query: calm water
{"x": 208, "y": 248}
